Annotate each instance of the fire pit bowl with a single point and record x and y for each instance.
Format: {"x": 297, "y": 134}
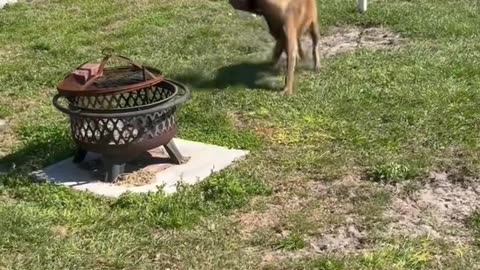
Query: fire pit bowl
{"x": 121, "y": 114}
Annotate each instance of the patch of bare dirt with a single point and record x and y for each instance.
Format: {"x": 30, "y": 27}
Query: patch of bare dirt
{"x": 271, "y": 218}
{"x": 273, "y": 257}
{"x": 342, "y": 218}
{"x": 344, "y": 239}
{"x": 10, "y": 53}
{"x": 264, "y": 130}
{"x": 253, "y": 221}
{"x": 347, "y": 40}
{"x": 8, "y": 140}
{"x": 347, "y": 233}
{"x": 239, "y": 120}
{"x": 331, "y": 222}
{"x": 344, "y": 40}
{"x": 438, "y": 209}
{"x": 60, "y": 231}
{"x": 3, "y": 125}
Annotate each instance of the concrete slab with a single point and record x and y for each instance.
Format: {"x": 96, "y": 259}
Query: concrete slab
{"x": 205, "y": 159}
{"x": 4, "y": 3}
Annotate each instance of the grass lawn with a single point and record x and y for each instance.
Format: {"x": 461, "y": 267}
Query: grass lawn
{"x": 327, "y": 157}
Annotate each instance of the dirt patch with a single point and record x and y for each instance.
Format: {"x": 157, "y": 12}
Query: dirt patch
{"x": 60, "y": 231}
{"x": 328, "y": 219}
{"x": 272, "y": 217}
{"x": 9, "y": 53}
{"x": 348, "y": 216}
{"x": 253, "y": 221}
{"x": 438, "y": 209}
{"x": 3, "y": 125}
{"x": 270, "y": 259}
{"x": 347, "y": 40}
{"x": 8, "y": 141}
{"x": 344, "y": 239}
{"x": 239, "y": 120}
{"x": 348, "y": 233}
{"x": 344, "y": 40}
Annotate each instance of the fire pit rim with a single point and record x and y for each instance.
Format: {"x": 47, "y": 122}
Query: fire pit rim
{"x": 134, "y": 111}
{"x": 133, "y": 108}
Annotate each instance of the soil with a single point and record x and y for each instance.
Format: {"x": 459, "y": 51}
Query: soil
{"x": 344, "y": 40}
{"x": 3, "y": 125}
{"x": 344, "y": 240}
{"x": 438, "y": 209}
{"x": 347, "y": 40}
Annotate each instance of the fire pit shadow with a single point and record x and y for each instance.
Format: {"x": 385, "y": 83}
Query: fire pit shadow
{"x": 35, "y": 154}
{"x": 247, "y": 74}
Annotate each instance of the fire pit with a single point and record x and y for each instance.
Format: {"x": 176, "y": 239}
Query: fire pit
{"x": 121, "y": 112}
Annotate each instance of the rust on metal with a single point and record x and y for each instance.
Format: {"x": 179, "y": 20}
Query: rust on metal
{"x": 126, "y": 78}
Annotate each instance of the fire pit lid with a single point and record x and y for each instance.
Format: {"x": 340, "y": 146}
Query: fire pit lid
{"x": 98, "y": 79}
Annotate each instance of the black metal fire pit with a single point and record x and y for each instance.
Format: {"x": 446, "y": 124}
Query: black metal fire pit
{"x": 121, "y": 112}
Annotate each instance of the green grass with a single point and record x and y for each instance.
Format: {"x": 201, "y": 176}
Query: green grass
{"x": 292, "y": 242}
{"x": 390, "y": 116}
{"x": 474, "y": 224}
{"x": 392, "y": 256}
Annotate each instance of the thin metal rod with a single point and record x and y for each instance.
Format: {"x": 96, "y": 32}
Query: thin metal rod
{"x": 362, "y": 6}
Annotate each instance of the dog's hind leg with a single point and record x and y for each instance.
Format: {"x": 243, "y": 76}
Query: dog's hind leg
{"x": 315, "y": 35}
{"x": 301, "y": 53}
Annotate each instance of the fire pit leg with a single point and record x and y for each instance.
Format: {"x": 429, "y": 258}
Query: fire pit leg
{"x": 79, "y": 156}
{"x": 174, "y": 153}
{"x": 113, "y": 170}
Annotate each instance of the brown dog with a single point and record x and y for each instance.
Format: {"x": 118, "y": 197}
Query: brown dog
{"x": 287, "y": 21}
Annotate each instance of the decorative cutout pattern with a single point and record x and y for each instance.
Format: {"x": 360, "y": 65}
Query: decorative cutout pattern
{"x": 119, "y": 131}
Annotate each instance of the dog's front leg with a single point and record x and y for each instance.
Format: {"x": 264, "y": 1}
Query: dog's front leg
{"x": 292, "y": 52}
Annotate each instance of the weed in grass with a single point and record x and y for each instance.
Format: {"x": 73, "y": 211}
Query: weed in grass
{"x": 391, "y": 173}
{"x": 412, "y": 256}
{"x": 323, "y": 264}
{"x": 40, "y": 45}
{"x": 292, "y": 242}
{"x": 400, "y": 255}
{"x": 473, "y": 223}
{"x": 231, "y": 192}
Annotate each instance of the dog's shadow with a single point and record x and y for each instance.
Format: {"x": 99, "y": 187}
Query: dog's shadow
{"x": 259, "y": 75}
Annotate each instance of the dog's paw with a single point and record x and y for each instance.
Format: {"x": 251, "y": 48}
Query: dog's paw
{"x": 316, "y": 68}
{"x": 286, "y": 92}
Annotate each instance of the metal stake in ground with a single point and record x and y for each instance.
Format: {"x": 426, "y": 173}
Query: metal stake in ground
{"x": 362, "y": 6}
